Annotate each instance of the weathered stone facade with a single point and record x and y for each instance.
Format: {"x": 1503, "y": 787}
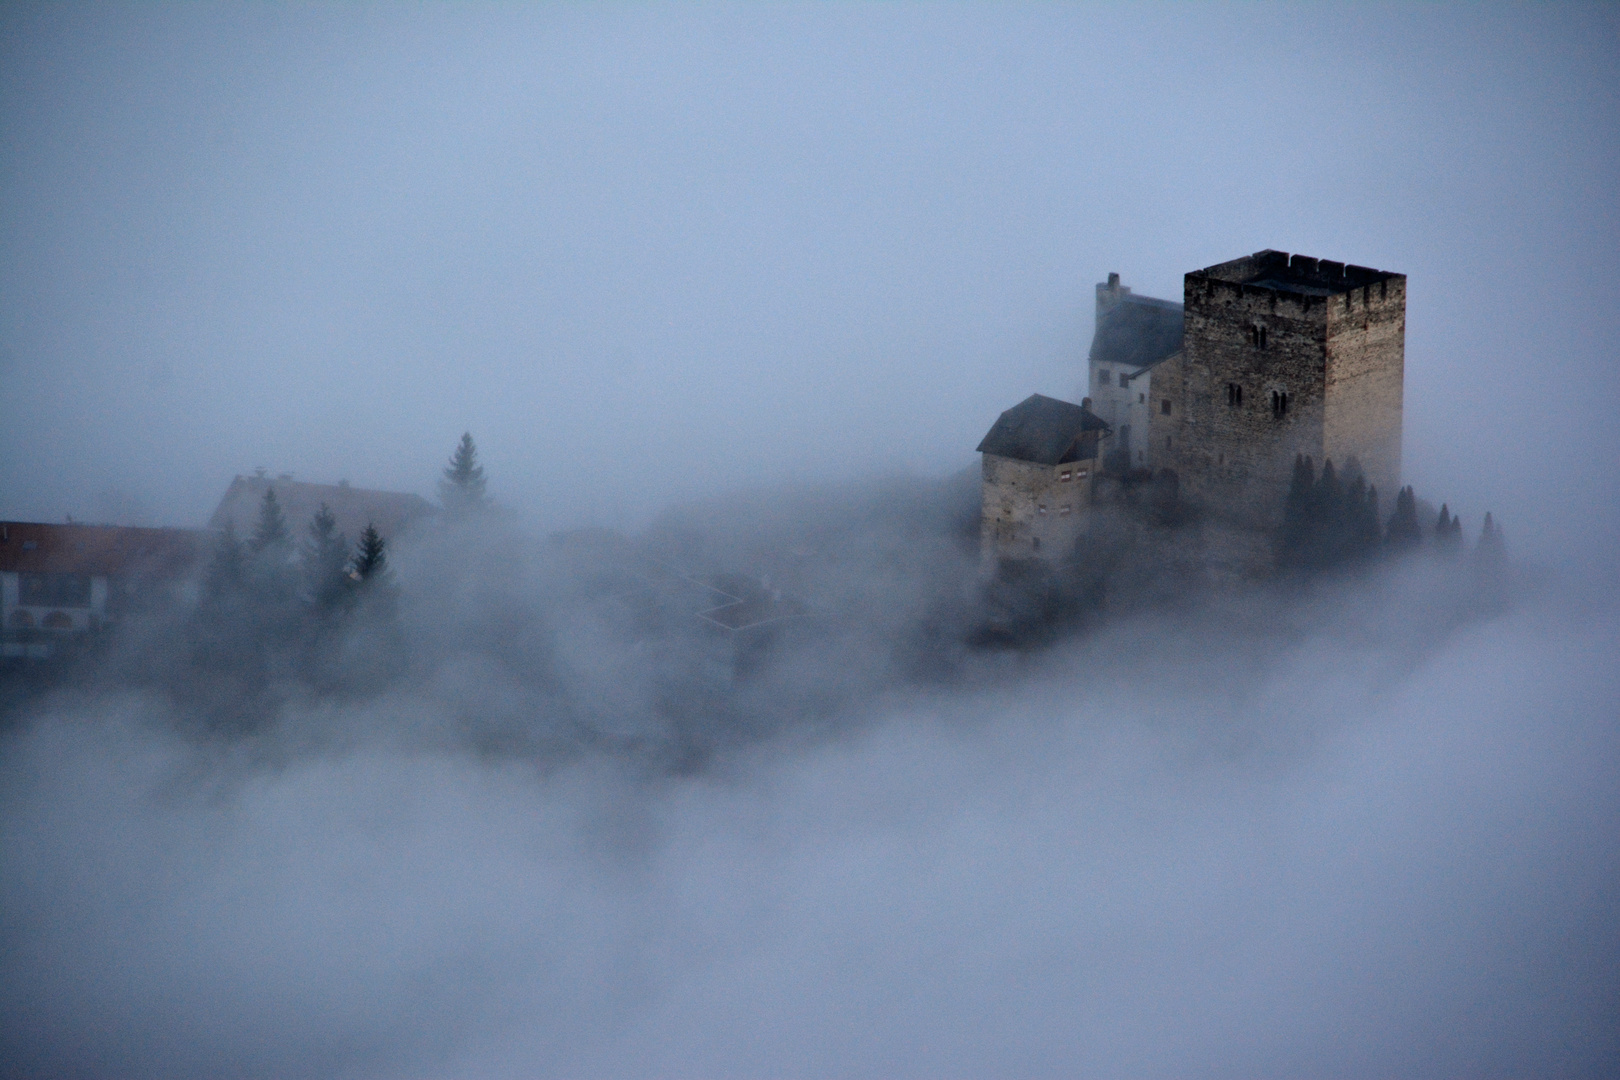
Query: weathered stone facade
{"x": 1281, "y": 356}
{"x": 1040, "y": 462}
{"x": 1033, "y": 511}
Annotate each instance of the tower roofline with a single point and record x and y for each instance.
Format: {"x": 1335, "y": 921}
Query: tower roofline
{"x": 1278, "y": 271}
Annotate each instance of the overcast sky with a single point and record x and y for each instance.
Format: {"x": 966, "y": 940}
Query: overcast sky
{"x": 643, "y": 252}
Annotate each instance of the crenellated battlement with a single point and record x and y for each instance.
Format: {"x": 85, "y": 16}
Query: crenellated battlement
{"x": 1297, "y": 278}
{"x": 1282, "y": 355}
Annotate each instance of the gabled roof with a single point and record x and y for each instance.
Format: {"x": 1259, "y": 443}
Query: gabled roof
{"x": 1040, "y": 429}
{"x": 354, "y": 508}
{"x": 36, "y": 548}
{"x": 1137, "y": 332}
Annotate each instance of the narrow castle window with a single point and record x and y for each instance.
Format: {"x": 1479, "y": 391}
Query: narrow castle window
{"x": 1234, "y": 394}
{"x": 1124, "y": 380}
{"x": 1164, "y": 406}
{"x": 1141, "y": 399}
{"x": 1279, "y": 404}
{"x": 1037, "y": 543}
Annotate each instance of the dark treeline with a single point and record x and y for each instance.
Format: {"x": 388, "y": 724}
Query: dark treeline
{"x": 1332, "y": 521}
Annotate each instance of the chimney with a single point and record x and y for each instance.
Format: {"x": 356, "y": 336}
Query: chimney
{"x": 1109, "y": 294}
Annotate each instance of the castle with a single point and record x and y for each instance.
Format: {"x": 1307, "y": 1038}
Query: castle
{"x": 1267, "y": 357}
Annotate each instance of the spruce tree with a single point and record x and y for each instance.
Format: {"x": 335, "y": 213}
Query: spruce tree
{"x": 1327, "y": 519}
{"x": 370, "y": 562}
{"x": 1404, "y": 533}
{"x": 325, "y": 558}
{"x": 462, "y": 490}
{"x": 1491, "y": 551}
{"x": 225, "y": 564}
{"x": 271, "y": 530}
{"x": 1294, "y": 536}
{"x": 1447, "y": 531}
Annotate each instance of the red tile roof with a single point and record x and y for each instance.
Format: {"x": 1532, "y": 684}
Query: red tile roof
{"x": 37, "y": 548}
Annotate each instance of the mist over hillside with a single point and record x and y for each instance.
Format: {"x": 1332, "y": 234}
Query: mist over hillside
{"x": 706, "y": 745}
{"x": 519, "y": 821}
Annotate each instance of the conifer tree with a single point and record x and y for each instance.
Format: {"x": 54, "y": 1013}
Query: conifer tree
{"x": 1367, "y": 528}
{"x": 462, "y": 489}
{"x": 1404, "y": 532}
{"x": 1491, "y": 550}
{"x": 370, "y": 562}
{"x": 271, "y": 530}
{"x": 225, "y": 564}
{"x": 1447, "y": 531}
{"x": 1294, "y": 536}
{"x": 325, "y": 559}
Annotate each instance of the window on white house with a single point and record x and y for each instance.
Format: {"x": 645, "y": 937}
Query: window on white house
{"x": 1104, "y": 376}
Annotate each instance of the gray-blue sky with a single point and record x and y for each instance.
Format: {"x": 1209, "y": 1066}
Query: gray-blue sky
{"x": 648, "y": 251}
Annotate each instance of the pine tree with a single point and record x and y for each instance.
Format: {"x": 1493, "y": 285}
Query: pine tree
{"x": 370, "y": 562}
{"x": 225, "y": 564}
{"x": 325, "y": 559}
{"x": 1404, "y": 532}
{"x": 1447, "y": 531}
{"x": 271, "y": 531}
{"x": 1294, "y": 536}
{"x": 1326, "y": 528}
{"x": 1491, "y": 551}
{"x": 462, "y": 489}
{"x": 1367, "y": 528}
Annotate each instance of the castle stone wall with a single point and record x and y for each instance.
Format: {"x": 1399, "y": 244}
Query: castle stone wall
{"x": 1334, "y": 351}
{"x": 1366, "y": 369}
{"x": 1031, "y": 511}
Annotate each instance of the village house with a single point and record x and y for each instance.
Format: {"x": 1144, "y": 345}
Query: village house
{"x": 59, "y": 581}
{"x": 392, "y": 512}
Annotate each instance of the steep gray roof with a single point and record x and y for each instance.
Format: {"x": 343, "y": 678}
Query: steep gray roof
{"x": 1040, "y": 429}
{"x": 1137, "y": 333}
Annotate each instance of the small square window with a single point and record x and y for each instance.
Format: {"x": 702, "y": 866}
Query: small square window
{"x": 1064, "y": 510}
{"x": 1164, "y": 406}
{"x": 1081, "y": 474}
{"x": 1043, "y": 508}
{"x": 1065, "y": 475}
{"x": 1104, "y": 376}
{"x": 1124, "y": 380}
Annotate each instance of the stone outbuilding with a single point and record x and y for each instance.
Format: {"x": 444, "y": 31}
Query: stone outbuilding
{"x": 1040, "y": 462}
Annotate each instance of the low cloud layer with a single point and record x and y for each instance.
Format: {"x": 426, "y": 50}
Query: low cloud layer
{"x": 1337, "y": 829}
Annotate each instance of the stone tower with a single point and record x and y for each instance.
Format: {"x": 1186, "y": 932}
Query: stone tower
{"x": 1281, "y": 356}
